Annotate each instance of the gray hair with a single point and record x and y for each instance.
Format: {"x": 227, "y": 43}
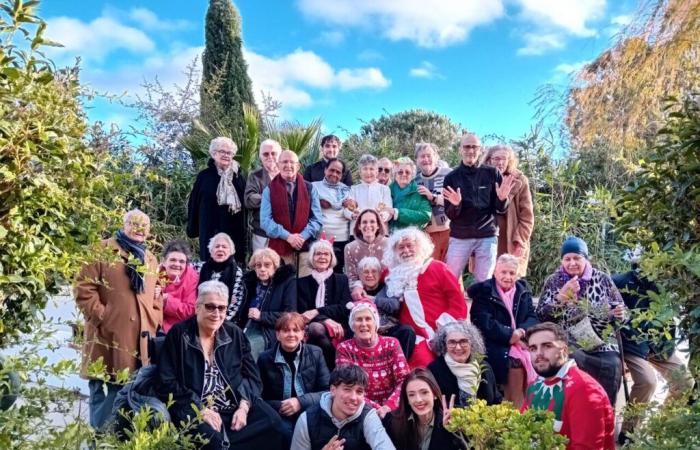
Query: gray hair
{"x": 221, "y": 236}
{"x": 508, "y": 260}
{"x": 212, "y": 287}
{"x": 439, "y": 343}
{"x": 321, "y": 243}
{"x": 222, "y": 141}
{"x": 270, "y": 143}
{"x": 367, "y": 160}
{"x": 405, "y": 161}
{"x": 423, "y": 243}
{"x": 369, "y": 261}
{"x": 134, "y": 212}
{"x": 426, "y": 146}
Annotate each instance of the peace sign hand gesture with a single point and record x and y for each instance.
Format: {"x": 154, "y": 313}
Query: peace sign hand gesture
{"x": 505, "y": 187}
{"x": 447, "y": 409}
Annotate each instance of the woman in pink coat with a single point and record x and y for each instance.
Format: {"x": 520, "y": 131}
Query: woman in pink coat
{"x": 180, "y": 284}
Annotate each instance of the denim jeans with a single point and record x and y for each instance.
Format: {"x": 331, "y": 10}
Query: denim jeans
{"x": 101, "y": 403}
{"x": 484, "y": 251}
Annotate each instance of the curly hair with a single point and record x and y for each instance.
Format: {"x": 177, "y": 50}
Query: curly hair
{"x": 439, "y": 343}
{"x": 423, "y": 242}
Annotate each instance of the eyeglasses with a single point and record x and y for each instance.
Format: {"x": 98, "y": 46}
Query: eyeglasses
{"x": 384, "y": 169}
{"x": 403, "y": 172}
{"x": 462, "y": 343}
{"x": 470, "y": 146}
{"x": 225, "y": 152}
{"x": 211, "y": 308}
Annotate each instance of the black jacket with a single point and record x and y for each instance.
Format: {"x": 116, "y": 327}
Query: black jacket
{"x": 490, "y": 316}
{"x": 312, "y": 373}
{"x": 475, "y": 216}
{"x": 181, "y": 366}
{"x": 448, "y": 382}
{"x": 337, "y": 297}
{"x": 205, "y": 217}
{"x": 280, "y": 297}
{"x": 440, "y": 439}
{"x": 317, "y": 172}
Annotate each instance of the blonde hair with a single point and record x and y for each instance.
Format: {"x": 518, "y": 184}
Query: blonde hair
{"x": 512, "y": 165}
{"x": 265, "y": 253}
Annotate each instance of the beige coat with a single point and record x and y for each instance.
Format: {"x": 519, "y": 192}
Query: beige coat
{"x": 114, "y": 315}
{"x": 519, "y": 221}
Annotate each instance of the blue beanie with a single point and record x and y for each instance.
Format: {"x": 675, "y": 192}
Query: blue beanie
{"x": 574, "y": 244}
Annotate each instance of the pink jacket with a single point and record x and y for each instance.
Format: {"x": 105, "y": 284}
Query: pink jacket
{"x": 182, "y": 295}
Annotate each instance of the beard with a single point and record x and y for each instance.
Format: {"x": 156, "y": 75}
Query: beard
{"x": 550, "y": 370}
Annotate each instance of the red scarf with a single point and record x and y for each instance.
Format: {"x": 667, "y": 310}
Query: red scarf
{"x": 280, "y": 211}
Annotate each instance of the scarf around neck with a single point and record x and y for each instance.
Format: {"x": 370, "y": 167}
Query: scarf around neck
{"x": 516, "y": 351}
{"x": 467, "y": 374}
{"x": 334, "y": 193}
{"x": 321, "y": 278}
{"x": 226, "y": 192}
{"x": 136, "y": 272}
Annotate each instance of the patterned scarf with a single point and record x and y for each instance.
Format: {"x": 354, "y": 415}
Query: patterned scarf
{"x": 137, "y": 250}
{"x": 226, "y": 193}
{"x": 334, "y": 193}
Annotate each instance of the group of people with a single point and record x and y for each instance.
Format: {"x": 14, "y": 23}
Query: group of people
{"x": 348, "y": 327}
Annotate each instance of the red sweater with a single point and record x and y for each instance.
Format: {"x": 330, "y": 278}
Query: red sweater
{"x": 182, "y": 295}
{"x": 582, "y": 411}
{"x": 385, "y": 365}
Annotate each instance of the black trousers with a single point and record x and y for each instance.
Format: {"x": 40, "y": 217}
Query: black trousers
{"x": 406, "y": 337}
{"x": 605, "y": 367}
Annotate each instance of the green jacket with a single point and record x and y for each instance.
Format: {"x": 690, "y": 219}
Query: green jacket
{"x": 414, "y": 209}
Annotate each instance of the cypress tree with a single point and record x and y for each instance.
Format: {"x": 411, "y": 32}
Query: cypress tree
{"x": 225, "y": 82}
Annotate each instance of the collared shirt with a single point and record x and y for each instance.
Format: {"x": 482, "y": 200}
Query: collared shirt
{"x": 277, "y": 231}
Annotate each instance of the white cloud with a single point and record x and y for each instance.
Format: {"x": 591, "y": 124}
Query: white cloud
{"x": 539, "y": 44}
{"x": 288, "y": 78}
{"x": 571, "y": 16}
{"x": 369, "y": 55}
{"x": 425, "y": 70}
{"x": 569, "y": 68}
{"x": 617, "y": 24}
{"x": 96, "y": 39}
{"x": 149, "y": 20}
{"x": 331, "y": 38}
{"x": 440, "y": 24}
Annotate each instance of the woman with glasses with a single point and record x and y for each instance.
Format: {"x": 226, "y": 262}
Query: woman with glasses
{"x": 206, "y": 370}
{"x": 410, "y": 207}
{"x": 222, "y": 266}
{"x": 460, "y": 368}
{"x": 270, "y": 290}
{"x": 370, "y": 193}
{"x": 215, "y": 203}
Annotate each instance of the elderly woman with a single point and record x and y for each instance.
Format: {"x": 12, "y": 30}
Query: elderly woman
{"x": 369, "y": 241}
{"x": 419, "y": 423}
{"x": 322, "y": 300}
{"x": 269, "y": 291}
{"x": 181, "y": 280}
{"x": 502, "y": 310}
{"x": 206, "y": 368}
{"x": 294, "y": 374}
{"x": 221, "y": 266}
{"x": 380, "y": 356}
{"x": 515, "y": 227}
{"x": 585, "y": 302}
{"x": 410, "y": 207}
{"x": 336, "y": 208}
{"x": 460, "y": 368}
{"x": 215, "y": 203}
{"x": 370, "y": 193}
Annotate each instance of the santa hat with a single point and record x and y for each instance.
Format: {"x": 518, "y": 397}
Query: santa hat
{"x": 363, "y": 305}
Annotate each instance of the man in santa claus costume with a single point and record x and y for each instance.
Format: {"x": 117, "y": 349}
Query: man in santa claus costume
{"x": 429, "y": 294}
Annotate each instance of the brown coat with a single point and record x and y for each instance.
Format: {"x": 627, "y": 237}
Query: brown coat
{"x": 114, "y": 315}
{"x": 519, "y": 221}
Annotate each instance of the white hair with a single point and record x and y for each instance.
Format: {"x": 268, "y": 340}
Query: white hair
{"x": 270, "y": 143}
{"x": 369, "y": 261}
{"x": 220, "y": 142}
{"x": 134, "y": 212}
{"x": 321, "y": 243}
{"x": 426, "y": 146}
{"x": 507, "y": 259}
{"x": 221, "y": 236}
{"x": 367, "y": 160}
{"x": 212, "y": 287}
{"x": 424, "y": 246}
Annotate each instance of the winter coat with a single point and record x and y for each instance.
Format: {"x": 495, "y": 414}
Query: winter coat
{"x": 115, "y": 316}
{"x": 448, "y": 382}
{"x": 256, "y": 184}
{"x": 515, "y": 226}
{"x": 311, "y": 374}
{"x": 280, "y": 297}
{"x": 181, "y": 367}
{"x": 490, "y": 316}
{"x": 414, "y": 209}
{"x": 181, "y": 299}
{"x": 337, "y": 298}
{"x": 205, "y": 217}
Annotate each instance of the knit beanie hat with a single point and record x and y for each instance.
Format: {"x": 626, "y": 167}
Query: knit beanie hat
{"x": 364, "y": 306}
{"x": 574, "y": 244}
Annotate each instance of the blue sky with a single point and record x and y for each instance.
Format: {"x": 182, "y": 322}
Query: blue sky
{"x": 345, "y": 61}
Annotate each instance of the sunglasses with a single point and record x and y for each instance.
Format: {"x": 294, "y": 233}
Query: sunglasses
{"x": 468, "y": 146}
{"x": 210, "y": 308}
{"x": 384, "y": 169}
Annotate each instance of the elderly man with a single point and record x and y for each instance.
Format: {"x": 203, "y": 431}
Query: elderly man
{"x": 385, "y": 168}
{"x": 117, "y": 295}
{"x": 330, "y": 149}
{"x": 474, "y": 194}
{"x": 258, "y": 180}
{"x": 581, "y": 408}
{"x": 429, "y": 293}
{"x": 430, "y": 181}
{"x": 290, "y": 213}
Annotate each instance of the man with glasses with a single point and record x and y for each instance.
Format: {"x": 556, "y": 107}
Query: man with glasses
{"x": 384, "y": 171}
{"x": 473, "y": 195}
{"x": 330, "y": 149}
{"x": 258, "y": 180}
{"x": 290, "y": 213}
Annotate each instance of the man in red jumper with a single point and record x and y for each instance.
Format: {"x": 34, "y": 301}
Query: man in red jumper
{"x": 582, "y": 411}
